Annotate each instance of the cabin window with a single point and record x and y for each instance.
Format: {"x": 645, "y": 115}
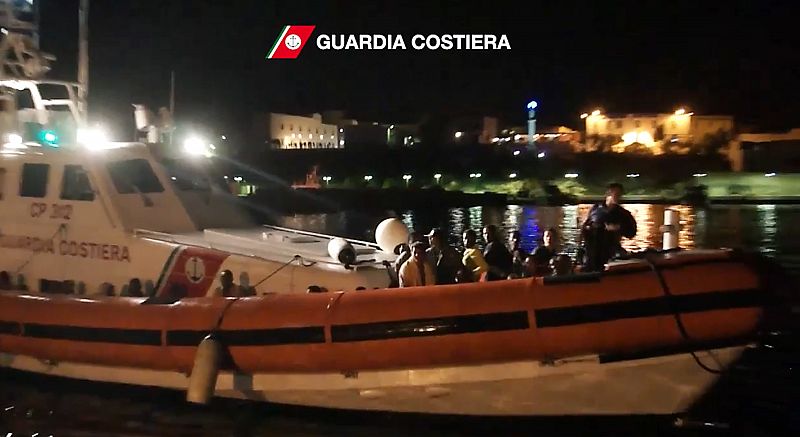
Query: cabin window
{"x": 134, "y": 176}
{"x": 2, "y": 182}
{"x": 34, "y": 180}
{"x": 187, "y": 177}
{"x": 75, "y": 184}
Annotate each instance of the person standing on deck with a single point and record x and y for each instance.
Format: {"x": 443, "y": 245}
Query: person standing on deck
{"x": 443, "y": 258}
{"x": 473, "y": 260}
{"x": 604, "y": 228}
{"x": 496, "y": 255}
{"x": 416, "y": 271}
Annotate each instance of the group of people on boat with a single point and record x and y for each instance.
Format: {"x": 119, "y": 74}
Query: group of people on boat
{"x": 434, "y": 261}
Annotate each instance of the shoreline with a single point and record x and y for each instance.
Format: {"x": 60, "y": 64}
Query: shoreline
{"x": 325, "y": 200}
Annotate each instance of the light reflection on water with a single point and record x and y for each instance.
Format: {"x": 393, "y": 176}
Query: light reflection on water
{"x": 767, "y": 228}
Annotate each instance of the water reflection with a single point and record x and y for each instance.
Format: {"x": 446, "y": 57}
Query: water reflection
{"x": 768, "y": 228}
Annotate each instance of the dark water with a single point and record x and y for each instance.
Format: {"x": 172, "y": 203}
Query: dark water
{"x": 761, "y": 396}
{"x": 772, "y": 229}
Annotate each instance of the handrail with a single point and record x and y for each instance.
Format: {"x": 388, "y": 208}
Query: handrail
{"x": 316, "y": 234}
{"x": 170, "y": 238}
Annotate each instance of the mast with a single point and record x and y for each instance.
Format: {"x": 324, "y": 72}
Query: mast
{"x": 83, "y": 52}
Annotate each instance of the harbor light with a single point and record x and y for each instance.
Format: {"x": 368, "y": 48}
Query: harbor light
{"x": 540, "y": 155}
{"x": 475, "y": 175}
{"x": 532, "y": 104}
{"x": 223, "y": 137}
{"x": 459, "y": 134}
{"x": 407, "y": 178}
{"x": 680, "y": 111}
{"x": 368, "y": 178}
{"x": 596, "y": 112}
{"x": 770, "y": 174}
{"x": 327, "y": 179}
{"x": 517, "y": 152}
{"x": 571, "y": 175}
{"x": 512, "y": 176}
{"x": 437, "y": 176}
{"x": 632, "y": 175}
{"x": 584, "y": 115}
{"x": 238, "y": 178}
{"x": 700, "y": 175}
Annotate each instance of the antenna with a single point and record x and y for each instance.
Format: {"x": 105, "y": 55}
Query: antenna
{"x": 83, "y": 52}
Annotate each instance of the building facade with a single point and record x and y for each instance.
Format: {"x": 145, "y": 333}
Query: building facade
{"x": 287, "y": 131}
{"x": 650, "y": 129}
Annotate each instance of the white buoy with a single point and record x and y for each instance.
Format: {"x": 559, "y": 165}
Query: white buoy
{"x": 203, "y": 380}
{"x": 672, "y": 220}
{"x": 341, "y": 250}
{"x": 390, "y": 233}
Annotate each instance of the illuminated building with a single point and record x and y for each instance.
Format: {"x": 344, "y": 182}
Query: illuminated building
{"x": 286, "y": 131}
{"x": 655, "y": 129}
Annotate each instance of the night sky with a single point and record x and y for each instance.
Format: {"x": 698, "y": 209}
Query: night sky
{"x": 713, "y": 57}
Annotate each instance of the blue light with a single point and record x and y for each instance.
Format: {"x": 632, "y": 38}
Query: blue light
{"x": 532, "y": 104}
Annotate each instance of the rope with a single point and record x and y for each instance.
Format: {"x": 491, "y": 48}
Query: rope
{"x": 235, "y": 299}
{"x": 294, "y": 258}
{"x": 679, "y": 321}
{"x": 61, "y": 227}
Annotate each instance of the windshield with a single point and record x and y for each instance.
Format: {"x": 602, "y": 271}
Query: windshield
{"x": 188, "y": 176}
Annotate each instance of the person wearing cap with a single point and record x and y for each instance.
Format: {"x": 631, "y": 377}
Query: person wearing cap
{"x": 443, "y": 257}
{"x": 403, "y": 251}
{"x": 416, "y": 271}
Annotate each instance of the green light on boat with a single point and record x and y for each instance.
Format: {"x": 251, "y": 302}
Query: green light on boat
{"x": 49, "y": 137}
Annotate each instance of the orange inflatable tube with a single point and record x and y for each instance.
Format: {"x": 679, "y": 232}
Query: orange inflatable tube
{"x": 633, "y": 309}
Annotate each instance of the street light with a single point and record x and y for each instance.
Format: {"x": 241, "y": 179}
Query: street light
{"x": 474, "y": 175}
{"x": 407, "y": 178}
{"x": 368, "y": 178}
{"x": 770, "y": 174}
{"x": 632, "y": 175}
{"x": 596, "y": 112}
{"x": 680, "y": 111}
{"x": 700, "y": 175}
{"x": 327, "y": 180}
{"x": 584, "y": 115}
{"x": 437, "y": 176}
{"x": 540, "y": 155}
{"x": 517, "y": 152}
{"x": 512, "y": 176}
{"x": 459, "y": 134}
{"x": 571, "y": 175}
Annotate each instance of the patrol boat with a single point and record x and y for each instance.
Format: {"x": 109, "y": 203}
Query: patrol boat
{"x": 80, "y": 217}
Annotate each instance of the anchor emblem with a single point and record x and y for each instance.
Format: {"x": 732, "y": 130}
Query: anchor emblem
{"x": 195, "y": 269}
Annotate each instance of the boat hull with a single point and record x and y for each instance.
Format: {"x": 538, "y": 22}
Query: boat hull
{"x": 665, "y": 384}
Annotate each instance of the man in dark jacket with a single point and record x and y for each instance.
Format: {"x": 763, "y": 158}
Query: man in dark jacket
{"x": 443, "y": 257}
{"x": 497, "y": 255}
{"x": 603, "y": 230}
